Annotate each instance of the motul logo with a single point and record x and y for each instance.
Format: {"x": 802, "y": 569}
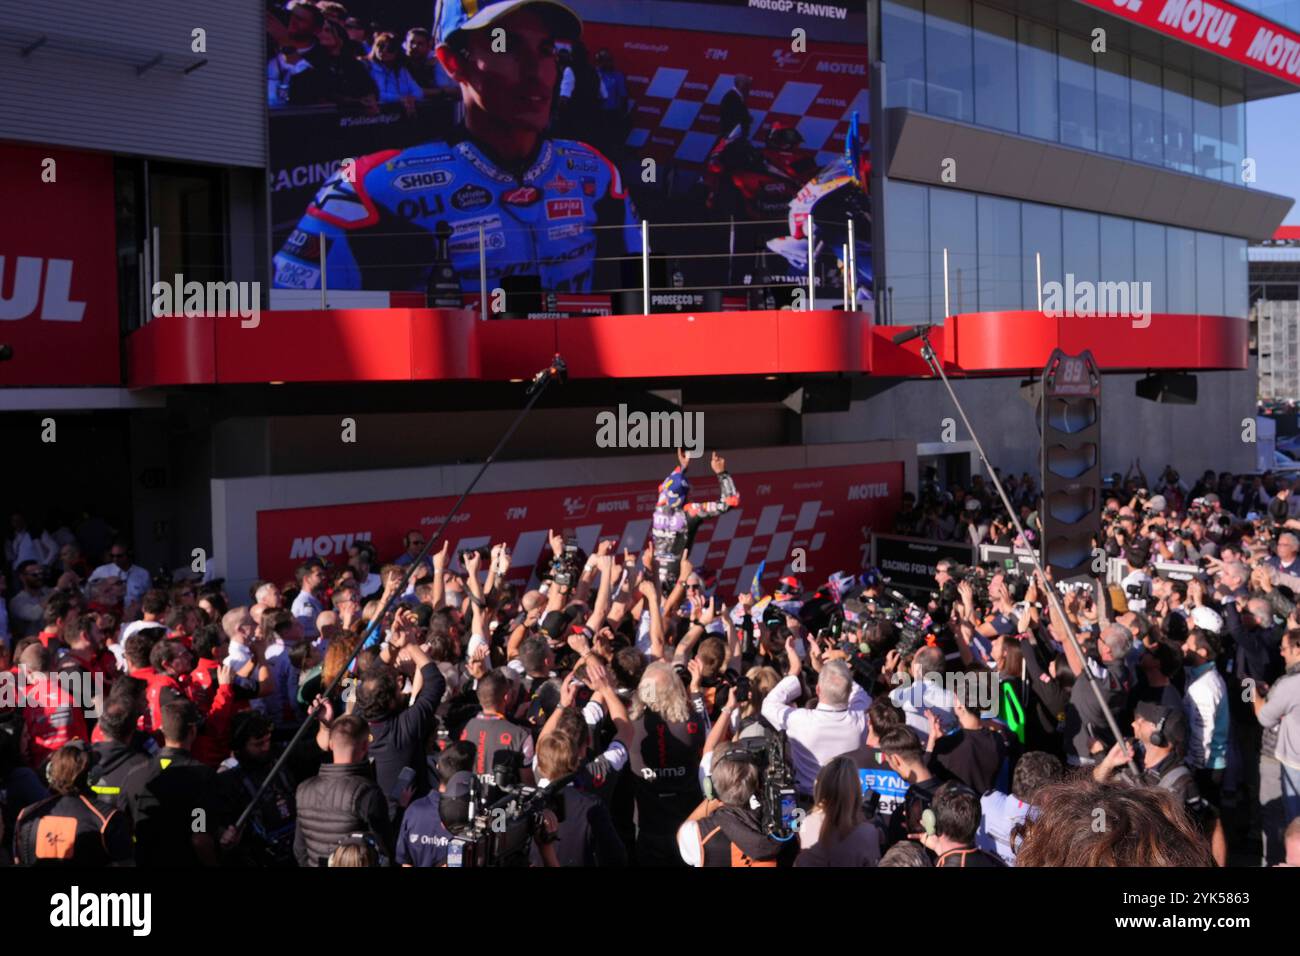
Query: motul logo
{"x": 863, "y": 492}
{"x": 325, "y": 545}
{"x": 25, "y": 287}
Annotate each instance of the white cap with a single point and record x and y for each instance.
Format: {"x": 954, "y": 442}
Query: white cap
{"x": 1207, "y": 619}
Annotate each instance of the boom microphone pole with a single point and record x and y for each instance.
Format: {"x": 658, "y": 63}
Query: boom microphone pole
{"x": 556, "y": 371}
{"x": 927, "y": 353}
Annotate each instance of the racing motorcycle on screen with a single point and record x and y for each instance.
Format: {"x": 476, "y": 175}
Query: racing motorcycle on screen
{"x": 754, "y": 184}
{"x": 830, "y": 198}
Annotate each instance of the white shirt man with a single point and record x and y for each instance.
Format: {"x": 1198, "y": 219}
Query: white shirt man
{"x": 135, "y": 578}
{"x": 838, "y": 725}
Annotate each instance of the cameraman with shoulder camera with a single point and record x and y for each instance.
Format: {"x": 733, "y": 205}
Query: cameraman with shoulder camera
{"x": 728, "y": 830}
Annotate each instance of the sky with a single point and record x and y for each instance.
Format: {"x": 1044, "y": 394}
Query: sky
{"x": 1273, "y": 140}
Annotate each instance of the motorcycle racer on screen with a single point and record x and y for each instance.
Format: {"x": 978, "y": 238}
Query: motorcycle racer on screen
{"x": 536, "y": 202}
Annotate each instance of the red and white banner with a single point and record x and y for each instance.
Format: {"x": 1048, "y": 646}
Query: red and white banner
{"x": 828, "y": 512}
{"x": 58, "y": 278}
{"x": 1220, "y": 28}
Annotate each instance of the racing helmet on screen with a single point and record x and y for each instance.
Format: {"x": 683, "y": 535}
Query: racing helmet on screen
{"x": 453, "y": 16}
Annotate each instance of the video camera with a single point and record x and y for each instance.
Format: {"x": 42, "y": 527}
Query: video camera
{"x": 776, "y": 793}
{"x": 567, "y": 568}
{"x": 499, "y": 821}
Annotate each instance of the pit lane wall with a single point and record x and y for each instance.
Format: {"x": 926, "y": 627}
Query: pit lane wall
{"x": 823, "y": 499}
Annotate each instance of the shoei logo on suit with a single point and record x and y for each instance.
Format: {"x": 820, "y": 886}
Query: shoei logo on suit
{"x": 429, "y": 179}
{"x": 563, "y": 208}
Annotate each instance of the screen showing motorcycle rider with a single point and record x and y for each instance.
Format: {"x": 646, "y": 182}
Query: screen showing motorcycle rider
{"x": 536, "y": 203}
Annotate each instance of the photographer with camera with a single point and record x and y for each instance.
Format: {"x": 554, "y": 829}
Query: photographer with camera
{"x": 727, "y": 830}
{"x": 424, "y": 837}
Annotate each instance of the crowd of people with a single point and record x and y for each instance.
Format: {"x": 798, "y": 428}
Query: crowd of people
{"x": 319, "y": 54}
{"x": 636, "y": 716}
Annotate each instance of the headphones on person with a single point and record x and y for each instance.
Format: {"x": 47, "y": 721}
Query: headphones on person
{"x": 1158, "y": 738}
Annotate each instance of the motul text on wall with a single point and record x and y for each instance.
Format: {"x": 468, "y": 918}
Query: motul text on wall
{"x": 828, "y": 512}
{"x": 1221, "y": 28}
{"x": 58, "y": 278}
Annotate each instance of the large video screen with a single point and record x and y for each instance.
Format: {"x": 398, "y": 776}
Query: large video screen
{"x": 424, "y": 147}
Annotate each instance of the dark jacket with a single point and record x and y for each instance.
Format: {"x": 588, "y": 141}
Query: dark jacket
{"x": 1257, "y": 652}
{"x": 167, "y": 797}
{"x": 72, "y": 830}
{"x": 341, "y": 799}
{"x": 400, "y": 741}
{"x": 114, "y": 763}
{"x": 587, "y": 836}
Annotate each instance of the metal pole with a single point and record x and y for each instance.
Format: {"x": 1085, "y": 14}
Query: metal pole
{"x": 1038, "y": 271}
{"x": 946, "y": 311}
{"x": 812, "y": 266}
{"x": 482, "y": 275}
{"x": 645, "y": 267}
{"x": 324, "y": 304}
{"x": 156, "y": 253}
{"x": 927, "y": 353}
{"x": 555, "y": 372}
{"x": 853, "y": 268}
{"x": 146, "y": 287}
{"x": 844, "y": 265}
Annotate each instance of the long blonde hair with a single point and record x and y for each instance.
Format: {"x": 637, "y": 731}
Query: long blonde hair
{"x": 838, "y": 795}
{"x": 661, "y": 691}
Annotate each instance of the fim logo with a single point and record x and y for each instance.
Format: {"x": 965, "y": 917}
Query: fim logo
{"x": 76, "y": 910}
{"x": 626, "y": 429}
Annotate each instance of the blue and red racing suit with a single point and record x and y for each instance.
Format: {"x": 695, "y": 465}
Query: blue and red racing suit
{"x": 379, "y": 231}
{"x": 676, "y": 520}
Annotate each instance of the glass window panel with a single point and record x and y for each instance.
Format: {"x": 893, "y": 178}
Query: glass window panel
{"x": 1081, "y": 236}
{"x": 907, "y": 253}
{"x": 1180, "y": 263}
{"x": 1078, "y": 92}
{"x": 1209, "y": 273}
{"x": 1040, "y": 228}
{"x": 1036, "y": 79}
{"x": 1116, "y": 249}
{"x": 1233, "y": 131}
{"x": 1000, "y": 255}
{"x": 949, "y": 70}
{"x": 952, "y": 226}
{"x": 903, "y": 32}
{"x": 1149, "y": 263}
{"x": 995, "y": 68}
{"x": 1148, "y": 134}
{"x": 1236, "y": 289}
{"x": 1114, "y": 134}
{"x": 1207, "y": 139}
{"x": 1178, "y": 122}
